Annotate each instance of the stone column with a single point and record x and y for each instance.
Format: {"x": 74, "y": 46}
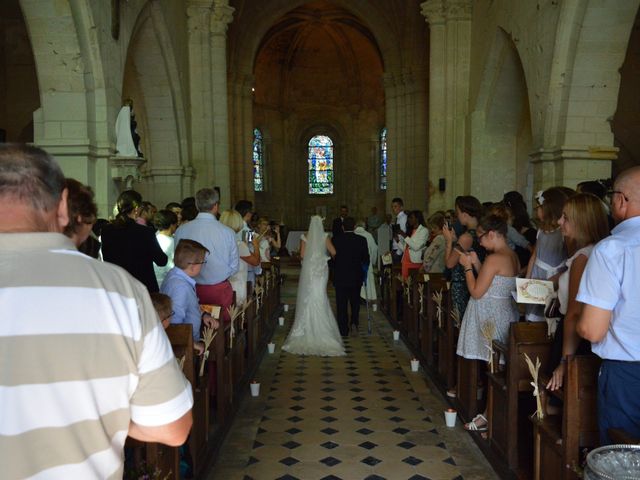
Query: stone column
{"x": 198, "y": 12}
{"x": 450, "y": 46}
{"x": 221, "y": 16}
{"x": 569, "y": 166}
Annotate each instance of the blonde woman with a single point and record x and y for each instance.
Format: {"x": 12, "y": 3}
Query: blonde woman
{"x": 233, "y": 220}
{"x": 583, "y": 223}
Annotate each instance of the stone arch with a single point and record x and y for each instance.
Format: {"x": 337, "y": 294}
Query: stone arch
{"x": 591, "y": 41}
{"x": 400, "y": 37}
{"x": 71, "y": 80}
{"x": 19, "y": 91}
{"x": 151, "y": 79}
{"x": 501, "y": 138}
{"x": 626, "y": 122}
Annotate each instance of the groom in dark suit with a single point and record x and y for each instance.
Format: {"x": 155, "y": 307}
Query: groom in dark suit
{"x": 350, "y": 261}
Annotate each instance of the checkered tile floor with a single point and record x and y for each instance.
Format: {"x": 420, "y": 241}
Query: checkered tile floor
{"x": 363, "y": 416}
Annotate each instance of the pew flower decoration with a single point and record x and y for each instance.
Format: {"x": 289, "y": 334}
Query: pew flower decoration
{"x": 420, "y": 296}
{"x": 245, "y": 306}
{"x": 258, "y": 292}
{"x": 437, "y": 298}
{"x": 181, "y": 361}
{"x": 534, "y": 370}
{"x": 407, "y": 289}
{"x": 208, "y": 334}
{"x": 455, "y": 314}
{"x": 488, "y": 330}
{"x": 234, "y": 313}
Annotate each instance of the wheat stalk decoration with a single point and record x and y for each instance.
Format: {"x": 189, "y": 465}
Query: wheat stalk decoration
{"x": 533, "y": 370}
{"x": 208, "y": 334}
{"x": 258, "y": 292}
{"x": 437, "y": 297}
{"x": 420, "y": 295}
{"x": 488, "y": 330}
{"x": 245, "y": 306}
{"x": 407, "y": 290}
{"x": 181, "y": 361}
{"x": 234, "y": 312}
{"x": 455, "y": 314}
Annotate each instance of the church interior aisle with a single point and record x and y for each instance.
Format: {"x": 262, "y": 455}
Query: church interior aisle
{"x": 363, "y": 416}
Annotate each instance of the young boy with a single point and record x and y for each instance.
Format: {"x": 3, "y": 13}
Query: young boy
{"x": 181, "y": 287}
{"x": 162, "y": 304}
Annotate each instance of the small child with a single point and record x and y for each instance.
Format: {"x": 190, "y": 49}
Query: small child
{"x": 162, "y": 304}
{"x": 180, "y": 285}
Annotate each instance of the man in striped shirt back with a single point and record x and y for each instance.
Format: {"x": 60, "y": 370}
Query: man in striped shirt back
{"x": 84, "y": 360}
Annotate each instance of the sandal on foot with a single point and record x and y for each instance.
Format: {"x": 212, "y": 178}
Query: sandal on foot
{"x": 473, "y": 424}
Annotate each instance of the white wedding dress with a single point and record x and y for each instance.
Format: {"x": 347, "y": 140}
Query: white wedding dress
{"x": 315, "y": 330}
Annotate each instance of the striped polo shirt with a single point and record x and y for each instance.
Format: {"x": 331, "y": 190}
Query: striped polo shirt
{"x": 82, "y": 354}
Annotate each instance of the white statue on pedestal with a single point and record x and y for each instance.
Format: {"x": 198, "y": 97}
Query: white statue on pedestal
{"x": 124, "y": 140}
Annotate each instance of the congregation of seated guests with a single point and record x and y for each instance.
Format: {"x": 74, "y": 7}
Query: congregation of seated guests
{"x": 479, "y": 247}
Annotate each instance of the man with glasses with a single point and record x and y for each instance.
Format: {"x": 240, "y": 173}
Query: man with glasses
{"x": 189, "y": 259}
{"x": 85, "y": 359}
{"x": 611, "y": 315}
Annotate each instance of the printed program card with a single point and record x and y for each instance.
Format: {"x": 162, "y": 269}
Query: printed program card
{"x": 531, "y": 290}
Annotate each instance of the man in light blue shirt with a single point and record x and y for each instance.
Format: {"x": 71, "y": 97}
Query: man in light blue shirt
{"x": 611, "y": 315}
{"x": 212, "y": 286}
{"x": 189, "y": 258}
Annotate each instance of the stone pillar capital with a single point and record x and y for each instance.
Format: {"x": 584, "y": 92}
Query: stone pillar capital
{"x": 221, "y": 17}
{"x": 198, "y": 18}
{"x": 433, "y": 11}
{"x": 440, "y": 11}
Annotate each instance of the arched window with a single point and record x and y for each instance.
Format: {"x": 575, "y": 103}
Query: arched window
{"x": 258, "y": 161}
{"x": 383, "y": 159}
{"x": 320, "y": 165}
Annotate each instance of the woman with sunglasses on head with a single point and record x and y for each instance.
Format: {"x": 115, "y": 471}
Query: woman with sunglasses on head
{"x": 583, "y": 224}
{"x": 491, "y": 301}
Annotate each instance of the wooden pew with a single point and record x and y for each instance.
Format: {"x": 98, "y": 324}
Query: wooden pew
{"x": 447, "y": 339}
{"x": 435, "y": 284}
{"x": 410, "y": 307}
{"x": 507, "y": 420}
{"x": 467, "y": 399}
{"x": 395, "y": 297}
{"x": 385, "y": 289}
{"x": 557, "y": 441}
{"x": 181, "y": 340}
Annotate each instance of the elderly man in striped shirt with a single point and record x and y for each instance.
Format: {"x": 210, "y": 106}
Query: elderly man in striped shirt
{"x": 84, "y": 360}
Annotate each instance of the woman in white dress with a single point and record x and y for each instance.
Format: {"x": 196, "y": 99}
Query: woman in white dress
{"x": 315, "y": 330}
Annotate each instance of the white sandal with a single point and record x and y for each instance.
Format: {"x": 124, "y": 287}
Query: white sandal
{"x": 474, "y": 427}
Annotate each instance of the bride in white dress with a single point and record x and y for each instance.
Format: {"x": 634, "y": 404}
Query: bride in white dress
{"x": 315, "y": 330}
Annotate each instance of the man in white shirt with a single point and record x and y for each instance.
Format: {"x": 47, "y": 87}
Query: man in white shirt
{"x": 610, "y": 318}
{"x": 397, "y": 207}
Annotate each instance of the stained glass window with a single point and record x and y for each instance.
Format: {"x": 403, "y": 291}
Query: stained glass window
{"x": 320, "y": 165}
{"x": 258, "y": 161}
{"x": 383, "y": 159}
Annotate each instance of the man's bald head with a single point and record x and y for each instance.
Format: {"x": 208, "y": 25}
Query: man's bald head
{"x": 625, "y": 200}
{"x": 628, "y": 182}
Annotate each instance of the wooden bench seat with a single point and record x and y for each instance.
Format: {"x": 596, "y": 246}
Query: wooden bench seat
{"x": 509, "y": 398}
{"x": 558, "y": 440}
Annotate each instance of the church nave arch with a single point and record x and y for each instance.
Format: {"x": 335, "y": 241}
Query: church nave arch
{"x": 501, "y": 138}
{"x": 19, "y": 90}
{"x": 151, "y": 79}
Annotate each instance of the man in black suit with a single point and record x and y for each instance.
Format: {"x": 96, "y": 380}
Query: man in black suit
{"x": 336, "y": 227}
{"x": 350, "y": 261}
